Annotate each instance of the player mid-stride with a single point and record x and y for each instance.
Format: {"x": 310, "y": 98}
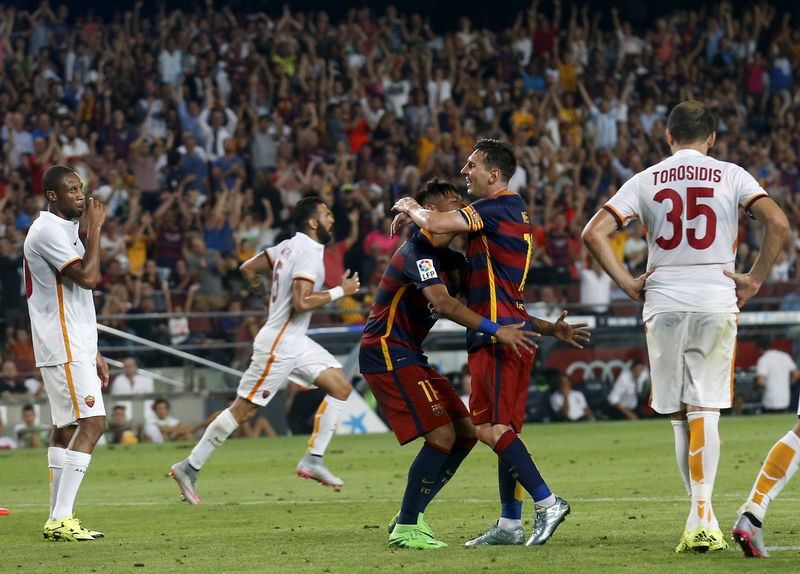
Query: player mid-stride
{"x": 282, "y": 350}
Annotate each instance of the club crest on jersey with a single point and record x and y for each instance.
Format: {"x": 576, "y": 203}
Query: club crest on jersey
{"x": 426, "y": 269}
{"x": 437, "y": 409}
{"x": 89, "y": 400}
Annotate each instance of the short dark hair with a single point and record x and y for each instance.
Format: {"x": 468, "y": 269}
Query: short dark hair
{"x": 305, "y": 209}
{"x": 691, "y": 121}
{"x": 158, "y": 402}
{"x": 53, "y": 176}
{"x": 28, "y": 408}
{"x": 435, "y": 189}
{"x": 498, "y": 154}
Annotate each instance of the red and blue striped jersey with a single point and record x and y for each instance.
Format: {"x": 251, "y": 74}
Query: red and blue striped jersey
{"x": 499, "y": 251}
{"x": 401, "y": 316}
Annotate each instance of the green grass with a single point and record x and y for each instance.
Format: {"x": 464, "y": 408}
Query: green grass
{"x": 621, "y": 479}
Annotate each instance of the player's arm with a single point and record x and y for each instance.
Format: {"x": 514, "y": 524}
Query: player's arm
{"x": 433, "y": 221}
{"x": 255, "y": 270}
{"x": 455, "y": 310}
{"x": 86, "y": 272}
{"x": 595, "y": 237}
{"x": 776, "y": 227}
{"x": 573, "y": 333}
{"x": 304, "y": 298}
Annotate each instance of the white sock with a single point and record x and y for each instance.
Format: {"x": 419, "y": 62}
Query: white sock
{"x": 509, "y": 523}
{"x": 216, "y": 434}
{"x": 75, "y": 465}
{"x": 325, "y": 422}
{"x": 55, "y": 461}
{"x": 704, "y": 452}
{"x": 681, "y": 430}
{"x": 546, "y": 502}
{"x": 777, "y": 470}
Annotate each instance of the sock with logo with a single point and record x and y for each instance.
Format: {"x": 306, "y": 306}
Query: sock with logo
{"x": 328, "y": 414}
{"x": 704, "y": 450}
{"x": 681, "y": 430}
{"x": 75, "y": 465}
{"x": 511, "y": 493}
{"x": 522, "y": 468}
{"x": 460, "y": 450}
{"x": 781, "y": 464}
{"x": 216, "y": 433}
{"x": 422, "y": 475}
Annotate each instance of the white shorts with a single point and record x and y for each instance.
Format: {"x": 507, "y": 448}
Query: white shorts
{"x": 74, "y": 391}
{"x": 270, "y": 373}
{"x": 691, "y": 359}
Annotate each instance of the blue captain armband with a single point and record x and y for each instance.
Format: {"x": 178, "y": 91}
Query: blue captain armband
{"x": 489, "y": 327}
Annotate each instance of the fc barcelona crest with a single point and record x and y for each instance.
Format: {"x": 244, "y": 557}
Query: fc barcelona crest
{"x": 437, "y": 410}
{"x": 89, "y": 400}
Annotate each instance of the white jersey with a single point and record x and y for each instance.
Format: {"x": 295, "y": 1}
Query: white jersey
{"x": 284, "y": 333}
{"x": 689, "y": 205}
{"x": 63, "y": 320}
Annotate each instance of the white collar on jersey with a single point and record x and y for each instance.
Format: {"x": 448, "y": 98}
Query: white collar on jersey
{"x": 688, "y": 152}
{"x": 60, "y": 220}
{"x": 303, "y": 237}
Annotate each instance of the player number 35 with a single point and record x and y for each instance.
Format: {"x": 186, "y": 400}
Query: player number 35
{"x": 693, "y": 211}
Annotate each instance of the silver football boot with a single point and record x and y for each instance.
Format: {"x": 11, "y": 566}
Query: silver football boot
{"x": 186, "y": 477}
{"x": 749, "y": 537}
{"x": 497, "y": 536}
{"x": 312, "y": 467}
{"x": 546, "y": 520}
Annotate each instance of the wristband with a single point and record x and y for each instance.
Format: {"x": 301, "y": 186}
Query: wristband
{"x": 489, "y": 327}
{"x": 336, "y": 293}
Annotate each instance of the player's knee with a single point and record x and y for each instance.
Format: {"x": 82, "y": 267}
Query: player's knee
{"x": 243, "y": 410}
{"x": 442, "y": 437}
{"x": 333, "y": 382}
{"x": 485, "y": 435}
{"x": 93, "y": 427}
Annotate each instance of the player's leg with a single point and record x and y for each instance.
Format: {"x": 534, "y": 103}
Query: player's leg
{"x": 256, "y": 388}
{"x": 708, "y": 359}
{"x": 680, "y": 428}
{"x": 75, "y": 394}
{"x": 776, "y": 472}
{"x": 413, "y": 407}
{"x": 59, "y": 440}
{"x": 318, "y": 367}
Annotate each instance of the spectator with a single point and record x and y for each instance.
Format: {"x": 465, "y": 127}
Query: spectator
{"x": 162, "y": 427}
{"x": 6, "y": 442}
{"x": 776, "y": 373}
{"x": 569, "y": 404}
{"x": 121, "y": 429}
{"x": 10, "y": 385}
{"x": 130, "y": 381}
{"x": 595, "y": 288}
{"x": 630, "y": 392}
{"x": 29, "y": 433}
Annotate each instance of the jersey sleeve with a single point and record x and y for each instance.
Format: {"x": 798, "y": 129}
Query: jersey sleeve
{"x": 307, "y": 266}
{"x": 422, "y": 269}
{"x": 746, "y": 188}
{"x": 56, "y": 248}
{"x": 483, "y": 215}
{"x": 272, "y": 254}
{"x": 624, "y": 206}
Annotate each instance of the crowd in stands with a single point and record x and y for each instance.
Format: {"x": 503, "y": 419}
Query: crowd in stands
{"x": 201, "y": 129}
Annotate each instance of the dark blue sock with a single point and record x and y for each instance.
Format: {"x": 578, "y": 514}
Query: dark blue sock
{"x": 457, "y": 455}
{"x": 510, "y": 505}
{"x": 421, "y": 481}
{"x": 521, "y": 466}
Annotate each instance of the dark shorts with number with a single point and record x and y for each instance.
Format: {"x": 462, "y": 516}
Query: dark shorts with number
{"x": 415, "y": 400}
{"x": 500, "y": 381}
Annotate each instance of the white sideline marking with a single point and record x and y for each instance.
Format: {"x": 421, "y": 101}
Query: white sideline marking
{"x": 305, "y": 501}
{"x": 783, "y": 548}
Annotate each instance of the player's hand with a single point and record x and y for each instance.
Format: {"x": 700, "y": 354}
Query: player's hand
{"x": 516, "y": 338}
{"x": 636, "y": 289}
{"x": 573, "y": 333}
{"x": 746, "y": 287}
{"x": 350, "y": 284}
{"x": 102, "y": 370}
{"x": 400, "y": 220}
{"x": 405, "y": 204}
{"x": 95, "y": 214}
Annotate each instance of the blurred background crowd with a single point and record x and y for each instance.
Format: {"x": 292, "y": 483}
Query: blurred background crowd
{"x": 200, "y": 129}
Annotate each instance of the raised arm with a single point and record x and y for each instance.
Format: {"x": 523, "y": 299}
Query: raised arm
{"x": 86, "y": 272}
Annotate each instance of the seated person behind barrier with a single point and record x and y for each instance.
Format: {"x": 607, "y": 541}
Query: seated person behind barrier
{"x": 569, "y": 404}
{"x": 162, "y": 427}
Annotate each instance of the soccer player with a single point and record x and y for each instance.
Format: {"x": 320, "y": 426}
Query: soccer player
{"x": 500, "y": 245}
{"x": 282, "y": 350}
{"x": 689, "y": 203}
{"x": 60, "y": 274}
{"x": 416, "y": 289}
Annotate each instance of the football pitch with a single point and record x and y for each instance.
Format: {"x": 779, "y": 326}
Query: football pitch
{"x": 627, "y": 499}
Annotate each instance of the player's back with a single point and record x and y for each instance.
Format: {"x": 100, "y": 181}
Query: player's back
{"x": 401, "y": 316}
{"x": 688, "y": 204}
{"x": 285, "y": 330}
